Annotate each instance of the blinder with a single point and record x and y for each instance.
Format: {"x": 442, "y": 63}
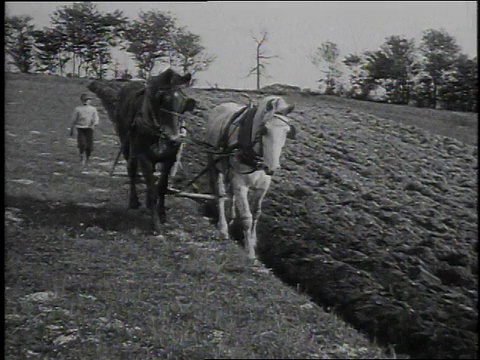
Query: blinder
{"x": 262, "y": 130}
{"x": 190, "y": 104}
{"x": 292, "y": 133}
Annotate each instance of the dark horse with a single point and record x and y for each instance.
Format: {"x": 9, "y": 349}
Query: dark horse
{"x": 149, "y": 133}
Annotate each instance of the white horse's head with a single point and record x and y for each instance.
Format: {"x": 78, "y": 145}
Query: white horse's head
{"x": 272, "y": 125}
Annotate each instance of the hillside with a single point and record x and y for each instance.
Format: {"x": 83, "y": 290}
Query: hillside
{"x": 373, "y": 218}
{"x": 376, "y": 218}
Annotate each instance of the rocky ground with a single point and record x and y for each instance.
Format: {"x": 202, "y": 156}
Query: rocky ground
{"x": 376, "y": 219}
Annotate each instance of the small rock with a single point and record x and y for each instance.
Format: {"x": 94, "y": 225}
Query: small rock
{"x": 414, "y": 185}
{"x": 40, "y": 296}
{"x": 367, "y": 196}
{"x": 93, "y": 230}
{"x": 454, "y": 258}
{"x": 63, "y": 339}
{"x": 452, "y": 275}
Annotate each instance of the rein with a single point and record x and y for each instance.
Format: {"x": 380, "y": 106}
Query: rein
{"x": 246, "y": 154}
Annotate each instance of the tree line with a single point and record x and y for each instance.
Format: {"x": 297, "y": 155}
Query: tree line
{"x": 434, "y": 74}
{"x": 82, "y": 37}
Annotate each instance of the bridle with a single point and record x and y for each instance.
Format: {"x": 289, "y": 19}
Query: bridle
{"x": 157, "y": 129}
{"x": 247, "y": 153}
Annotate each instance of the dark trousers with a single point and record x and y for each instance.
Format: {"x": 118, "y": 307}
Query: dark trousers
{"x": 85, "y": 140}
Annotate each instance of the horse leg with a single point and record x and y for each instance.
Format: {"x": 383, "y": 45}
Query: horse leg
{"x": 132, "y": 165}
{"x": 233, "y": 211}
{"x": 162, "y": 187}
{"x": 212, "y": 206}
{"x": 177, "y": 163}
{"x": 243, "y": 207}
{"x": 221, "y": 197}
{"x": 257, "y": 199}
{"x": 148, "y": 168}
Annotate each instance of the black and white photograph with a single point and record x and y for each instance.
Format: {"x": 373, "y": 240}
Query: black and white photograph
{"x": 241, "y": 180}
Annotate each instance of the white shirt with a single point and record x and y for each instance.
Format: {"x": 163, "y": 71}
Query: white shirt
{"x": 85, "y": 116}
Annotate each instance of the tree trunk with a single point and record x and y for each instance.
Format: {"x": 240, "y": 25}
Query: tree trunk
{"x": 258, "y": 67}
{"x": 73, "y": 64}
{"x": 434, "y": 95}
{"x": 60, "y": 64}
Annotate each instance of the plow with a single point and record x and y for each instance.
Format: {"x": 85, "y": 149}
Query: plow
{"x": 207, "y": 148}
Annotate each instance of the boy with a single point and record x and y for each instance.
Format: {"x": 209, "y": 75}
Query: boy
{"x": 85, "y": 118}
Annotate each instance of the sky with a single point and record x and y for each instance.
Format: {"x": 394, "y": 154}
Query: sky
{"x": 295, "y": 30}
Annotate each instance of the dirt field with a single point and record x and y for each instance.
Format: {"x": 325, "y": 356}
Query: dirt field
{"x": 378, "y": 219}
{"x": 374, "y": 219}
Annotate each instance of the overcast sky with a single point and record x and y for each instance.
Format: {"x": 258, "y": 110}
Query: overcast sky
{"x": 295, "y": 30}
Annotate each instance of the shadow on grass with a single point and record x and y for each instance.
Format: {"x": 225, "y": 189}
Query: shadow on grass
{"x": 76, "y": 216}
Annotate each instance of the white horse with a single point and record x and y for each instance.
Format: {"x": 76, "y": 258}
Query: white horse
{"x": 252, "y": 139}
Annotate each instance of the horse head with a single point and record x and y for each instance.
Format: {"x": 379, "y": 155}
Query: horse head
{"x": 163, "y": 97}
{"x": 271, "y": 128}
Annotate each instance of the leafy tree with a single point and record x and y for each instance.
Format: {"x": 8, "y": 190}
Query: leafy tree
{"x": 104, "y": 33}
{"x": 49, "y": 45}
{"x": 69, "y": 21}
{"x": 421, "y": 94}
{"x": 440, "y": 51}
{"x": 149, "y": 39}
{"x": 328, "y": 53}
{"x": 460, "y": 85}
{"x": 259, "y": 69}
{"x": 89, "y": 35}
{"x": 361, "y": 84}
{"x": 19, "y": 42}
{"x": 189, "y": 52}
{"x": 391, "y": 66}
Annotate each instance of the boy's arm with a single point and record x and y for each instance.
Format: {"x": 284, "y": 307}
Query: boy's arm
{"x": 74, "y": 120}
{"x": 96, "y": 118}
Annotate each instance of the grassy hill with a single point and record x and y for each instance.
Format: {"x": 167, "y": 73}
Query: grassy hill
{"x": 373, "y": 218}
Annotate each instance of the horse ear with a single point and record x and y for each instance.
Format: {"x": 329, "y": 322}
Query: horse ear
{"x": 167, "y": 75}
{"x": 186, "y": 78}
{"x": 292, "y": 133}
{"x": 177, "y": 79}
{"x": 269, "y": 105}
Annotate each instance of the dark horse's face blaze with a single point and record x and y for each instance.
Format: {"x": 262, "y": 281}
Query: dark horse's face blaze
{"x": 164, "y": 95}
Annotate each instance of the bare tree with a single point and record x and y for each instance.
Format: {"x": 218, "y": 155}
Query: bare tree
{"x": 259, "y": 69}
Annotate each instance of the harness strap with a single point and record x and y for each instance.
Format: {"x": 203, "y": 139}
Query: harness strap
{"x": 245, "y": 131}
{"x": 226, "y": 135}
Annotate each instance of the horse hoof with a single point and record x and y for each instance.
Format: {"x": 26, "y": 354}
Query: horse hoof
{"x": 256, "y": 262}
{"x": 224, "y": 235}
{"x": 156, "y": 228}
